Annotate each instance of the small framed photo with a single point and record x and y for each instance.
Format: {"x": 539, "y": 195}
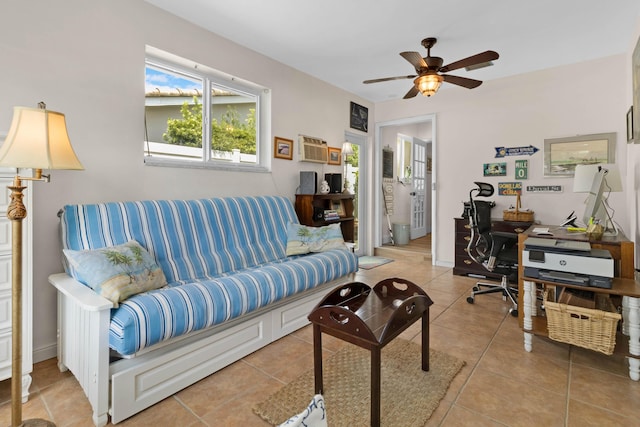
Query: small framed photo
{"x": 335, "y": 156}
{"x": 282, "y": 148}
{"x": 630, "y": 124}
{"x": 338, "y": 206}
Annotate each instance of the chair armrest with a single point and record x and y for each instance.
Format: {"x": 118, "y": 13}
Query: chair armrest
{"x": 83, "y": 295}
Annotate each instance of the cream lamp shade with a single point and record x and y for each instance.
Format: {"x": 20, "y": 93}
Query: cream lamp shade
{"x": 347, "y": 149}
{"x": 38, "y": 139}
{"x": 428, "y": 84}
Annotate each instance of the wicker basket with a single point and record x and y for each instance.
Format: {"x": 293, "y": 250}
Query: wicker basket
{"x": 593, "y": 329}
{"x": 516, "y": 214}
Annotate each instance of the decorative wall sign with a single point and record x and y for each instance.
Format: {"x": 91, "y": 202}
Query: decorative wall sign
{"x": 515, "y": 151}
{"x": 522, "y": 169}
{"x": 494, "y": 169}
{"x": 359, "y": 117}
{"x": 544, "y": 188}
{"x": 509, "y": 188}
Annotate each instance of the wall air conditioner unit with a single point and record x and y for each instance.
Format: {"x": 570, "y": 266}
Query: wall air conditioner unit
{"x": 312, "y": 149}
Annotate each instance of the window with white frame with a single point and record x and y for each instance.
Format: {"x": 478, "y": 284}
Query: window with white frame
{"x": 199, "y": 117}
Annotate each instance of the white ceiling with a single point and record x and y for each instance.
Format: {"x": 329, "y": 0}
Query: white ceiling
{"x": 344, "y": 42}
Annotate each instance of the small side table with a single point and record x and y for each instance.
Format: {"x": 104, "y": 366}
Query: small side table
{"x": 370, "y": 318}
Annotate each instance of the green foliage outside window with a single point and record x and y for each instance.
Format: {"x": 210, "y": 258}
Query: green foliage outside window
{"x": 226, "y": 134}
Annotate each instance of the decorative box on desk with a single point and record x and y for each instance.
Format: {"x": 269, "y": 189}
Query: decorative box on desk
{"x": 464, "y": 265}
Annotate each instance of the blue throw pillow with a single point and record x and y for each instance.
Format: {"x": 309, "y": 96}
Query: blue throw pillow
{"x": 116, "y": 272}
{"x": 302, "y": 239}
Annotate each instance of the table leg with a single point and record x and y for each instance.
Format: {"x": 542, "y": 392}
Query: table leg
{"x": 631, "y": 313}
{"x": 425, "y": 340}
{"x": 317, "y": 358}
{"x": 375, "y": 387}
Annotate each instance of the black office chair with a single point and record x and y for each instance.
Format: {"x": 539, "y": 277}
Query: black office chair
{"x": 495, "y": 250}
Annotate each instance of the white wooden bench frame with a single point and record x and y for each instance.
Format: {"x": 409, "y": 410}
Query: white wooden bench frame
{"x": 125, "y": 387}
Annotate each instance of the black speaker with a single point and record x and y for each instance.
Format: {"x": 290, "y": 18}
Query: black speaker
{"x": 308, "y": 182}
{"x": 335, "y": 182}
{"x": 318, "y": 213}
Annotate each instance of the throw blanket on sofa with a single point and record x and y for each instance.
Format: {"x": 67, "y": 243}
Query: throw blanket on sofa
{"x": 222, "y": 258}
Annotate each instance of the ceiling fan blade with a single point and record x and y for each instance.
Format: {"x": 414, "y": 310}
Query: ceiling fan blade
{"x": 487, "y": 56}
{"x": 415, "y": 59}
{"x": 412, "y": 92}
{"x": 462, "y": 81}
{"x": 386, "y": 79}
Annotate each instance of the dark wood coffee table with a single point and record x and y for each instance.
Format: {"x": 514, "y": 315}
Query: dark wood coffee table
{"x": 370, "y": 318}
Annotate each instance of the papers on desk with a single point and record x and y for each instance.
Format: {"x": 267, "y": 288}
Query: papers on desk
{"x": 542, "y": 231}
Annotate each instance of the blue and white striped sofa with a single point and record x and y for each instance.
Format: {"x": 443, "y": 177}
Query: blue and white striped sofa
{"x": 231, "y": 290}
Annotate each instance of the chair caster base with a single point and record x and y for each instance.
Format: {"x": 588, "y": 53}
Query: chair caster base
{"x": 470, "y": 300}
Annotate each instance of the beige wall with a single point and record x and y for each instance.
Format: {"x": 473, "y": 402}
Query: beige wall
{"x": 86, "y": 59}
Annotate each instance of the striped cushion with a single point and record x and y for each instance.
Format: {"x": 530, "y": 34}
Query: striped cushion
{"x": 194, "y": 306}
{"x": 222, "y": 258}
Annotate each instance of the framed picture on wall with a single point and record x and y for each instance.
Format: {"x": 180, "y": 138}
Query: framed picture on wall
{"x": 335, "y": 155}
{"x": 561, "y": 155}
{"x": 630, "y": 124}
{"x": 635, "y": 61}
{"x": 359, "y": 117}
{"x": 282, "y": 148}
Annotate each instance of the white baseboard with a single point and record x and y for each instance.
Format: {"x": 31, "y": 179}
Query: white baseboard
{"x": 447, "y": 264}
{"x": 44, "y": 353}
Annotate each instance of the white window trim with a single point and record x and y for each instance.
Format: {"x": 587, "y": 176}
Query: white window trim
{"x": 264, "y": 146}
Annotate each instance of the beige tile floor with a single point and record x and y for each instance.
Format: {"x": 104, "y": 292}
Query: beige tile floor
{"x": 500, "y": 385}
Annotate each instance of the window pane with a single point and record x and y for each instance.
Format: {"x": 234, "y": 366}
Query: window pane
{"x": 233, "y": 125}
{"x": 173, "y": 114}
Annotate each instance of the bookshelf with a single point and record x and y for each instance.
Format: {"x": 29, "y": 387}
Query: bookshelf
{"x": 310, "y": 209}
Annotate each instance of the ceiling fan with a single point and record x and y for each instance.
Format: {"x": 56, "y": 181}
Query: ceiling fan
{"x": 428, "y": 77}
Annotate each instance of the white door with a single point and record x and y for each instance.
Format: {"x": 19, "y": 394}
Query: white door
{"x": 419, "y": 189}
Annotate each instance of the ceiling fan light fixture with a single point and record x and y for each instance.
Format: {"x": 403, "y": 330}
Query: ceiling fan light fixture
{"x": 428, "y": 84}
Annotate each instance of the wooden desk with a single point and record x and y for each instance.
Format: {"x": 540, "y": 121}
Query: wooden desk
{"x": 624, "y": 285}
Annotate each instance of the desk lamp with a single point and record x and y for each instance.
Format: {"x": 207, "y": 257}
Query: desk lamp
{"x": 37, "y": 140}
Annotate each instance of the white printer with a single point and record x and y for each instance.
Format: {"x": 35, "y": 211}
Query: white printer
{"x": 567, "y": 261}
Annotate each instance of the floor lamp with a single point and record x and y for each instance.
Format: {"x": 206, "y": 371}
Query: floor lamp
{"x": 347, "y": 150}
{"x": 37, "y": 140}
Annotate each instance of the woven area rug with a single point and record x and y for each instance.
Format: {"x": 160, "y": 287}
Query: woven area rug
{"x": 409, "y": 395}
{"x": 369, "y": 262}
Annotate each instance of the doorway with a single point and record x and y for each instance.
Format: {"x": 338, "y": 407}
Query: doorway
{"x": 422, "y": 131}
{"x": 355, "y": 172}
